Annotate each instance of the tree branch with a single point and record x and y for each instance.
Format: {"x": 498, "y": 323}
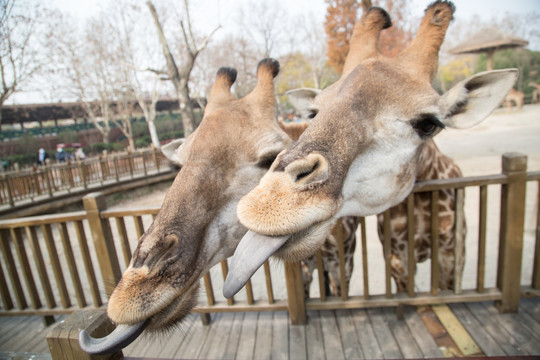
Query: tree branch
{"x": 186, "y": 39}
{"x": 188, "y": 17}
{"x": 207, "y": 39}
{"x": 171, "y": 65}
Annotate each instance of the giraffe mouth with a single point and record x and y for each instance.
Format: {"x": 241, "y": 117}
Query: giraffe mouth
{"x": 124, "y": 334}
{"x": 254, "y": 249}
{"x": 121, "y": 337}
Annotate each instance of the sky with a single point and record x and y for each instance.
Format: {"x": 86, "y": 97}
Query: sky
{"x": 214, "y": 11}
{"x": 208, "y": 14}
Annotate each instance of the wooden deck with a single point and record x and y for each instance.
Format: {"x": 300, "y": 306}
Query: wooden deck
{"x": 473, "y": 329}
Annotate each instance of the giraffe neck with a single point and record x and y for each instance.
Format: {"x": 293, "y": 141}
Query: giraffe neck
{"x": 433, "y": 164}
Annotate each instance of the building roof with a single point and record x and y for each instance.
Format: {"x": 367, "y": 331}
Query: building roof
{"x": 58, "y": 111}
{"x": 488, "y": 39}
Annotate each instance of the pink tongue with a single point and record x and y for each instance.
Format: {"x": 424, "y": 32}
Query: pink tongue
{"x": 252, "y": 251}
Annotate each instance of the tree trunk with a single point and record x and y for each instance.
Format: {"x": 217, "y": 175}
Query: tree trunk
{"x": 153, "y": 134}
{"x": 186, "y": 110}
{"x": 180, "y": 77}
{"x": 131, "y": 143}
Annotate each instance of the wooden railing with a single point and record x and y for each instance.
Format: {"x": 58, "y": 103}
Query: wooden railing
{"x": 56, "y": 264}
{"x": 52, "y": 179}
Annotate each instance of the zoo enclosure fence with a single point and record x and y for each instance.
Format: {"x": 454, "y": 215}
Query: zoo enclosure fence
{"x": 45, "y": 181}
{"x": 56, "y": 264}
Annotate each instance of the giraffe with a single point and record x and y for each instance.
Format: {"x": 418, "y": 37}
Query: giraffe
{"x": 536, "y": 92}
{"x": 361, "y": 152}
{"x": 330, "y": 249}
{"x": 515, "y": 96}
{"x": 432, "y": 165}
{"x": 196, "y": 227}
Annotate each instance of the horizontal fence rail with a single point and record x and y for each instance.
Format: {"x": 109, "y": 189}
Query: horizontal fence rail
{"x": 66, "y": 177}
{"x": 55, "y": 264}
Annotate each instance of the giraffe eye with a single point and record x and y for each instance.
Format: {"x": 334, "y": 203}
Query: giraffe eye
{"x": 427, "y": 126}
{"x": 266, "y": 161}
{"x": 311, "y": 114}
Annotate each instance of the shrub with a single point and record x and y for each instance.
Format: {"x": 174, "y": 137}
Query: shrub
{"x": 97, "y": 148}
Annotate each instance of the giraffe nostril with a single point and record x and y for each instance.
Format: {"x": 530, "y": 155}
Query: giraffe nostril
{"x": 306, "y": 171}
{"x": 305, "y": 174}
{"x": 161, "y": 251}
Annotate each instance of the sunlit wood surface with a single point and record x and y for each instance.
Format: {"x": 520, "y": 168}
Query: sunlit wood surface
{"x": 472, "y": 329}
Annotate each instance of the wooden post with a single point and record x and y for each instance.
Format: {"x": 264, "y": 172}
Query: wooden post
{"x": 94, "y": 203}
{"x": 107, "y": 166}
{"x": 339, "y": 236}
{"x": 5, "y": 178}
{"x": 48, "y": 176}
{"x": 63, "y": 339}
{"x": 82, "y": 176}
{"x": 295, "y": 293}
{"x": 536, "y": 266}
{"x": 411, "y": 245}
{"x": 142, "y": 153}
{"x": 102, "y": 160}
{"x": 69, "y": 169}
{"x": 36, "y": 180}
{"x": 115, "y": 162}
{"x": 130, "y": 163}
{"x": 459, "y": 243}
{"x": 514, "y": 165}
{"x": 154, "y": 156}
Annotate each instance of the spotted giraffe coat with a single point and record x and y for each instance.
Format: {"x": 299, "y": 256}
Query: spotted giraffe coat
{"x": 330, "y": 258}
{"x": 432, "y": 165}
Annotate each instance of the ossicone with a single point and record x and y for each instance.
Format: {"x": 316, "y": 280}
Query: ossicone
{"x": 228, "y": 74}
{"x": 268, "y": 65}
{"x": 377, "y": 16}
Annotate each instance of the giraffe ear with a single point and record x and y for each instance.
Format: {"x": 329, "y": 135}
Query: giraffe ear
{"x": 302, "y": 99}
{"x": 173, "y": 151}
{"x": 473, "y": 99}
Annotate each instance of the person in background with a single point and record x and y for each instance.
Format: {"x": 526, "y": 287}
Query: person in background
{"x": 42, "y": 156}
{"x": 61, "y": 155}
{"x": 79, "y": 154}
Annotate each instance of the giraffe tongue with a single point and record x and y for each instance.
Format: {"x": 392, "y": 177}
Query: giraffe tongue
{"x": 121, "y": 337}
{"x": 252, "y": 251}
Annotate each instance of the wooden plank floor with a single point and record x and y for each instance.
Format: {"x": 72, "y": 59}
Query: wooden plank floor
{"x": 474, "y": 329}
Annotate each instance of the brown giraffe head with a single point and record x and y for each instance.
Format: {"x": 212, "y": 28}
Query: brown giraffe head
{"x": 197, "y": 226}
{"x": 359, "y": 155}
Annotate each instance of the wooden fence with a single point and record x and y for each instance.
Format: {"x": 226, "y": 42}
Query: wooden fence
{"x": 76, "y": 258}
{"x": 47, "y": 180}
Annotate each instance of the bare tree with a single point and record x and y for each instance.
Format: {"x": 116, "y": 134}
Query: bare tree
{"x": 133, "y": 47}
{"x": 18, "y": 55}
{"x": 313, "y": 37}
{"x": 236, "y": 51}
{"x": 123, "y": 113}
{"x": 266, "y": 25}
{"x": 86, "y": 68}
{"x": 179, "y": 76}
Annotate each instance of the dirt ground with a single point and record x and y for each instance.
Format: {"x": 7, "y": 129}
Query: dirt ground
{"x": 477, "y": 151}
